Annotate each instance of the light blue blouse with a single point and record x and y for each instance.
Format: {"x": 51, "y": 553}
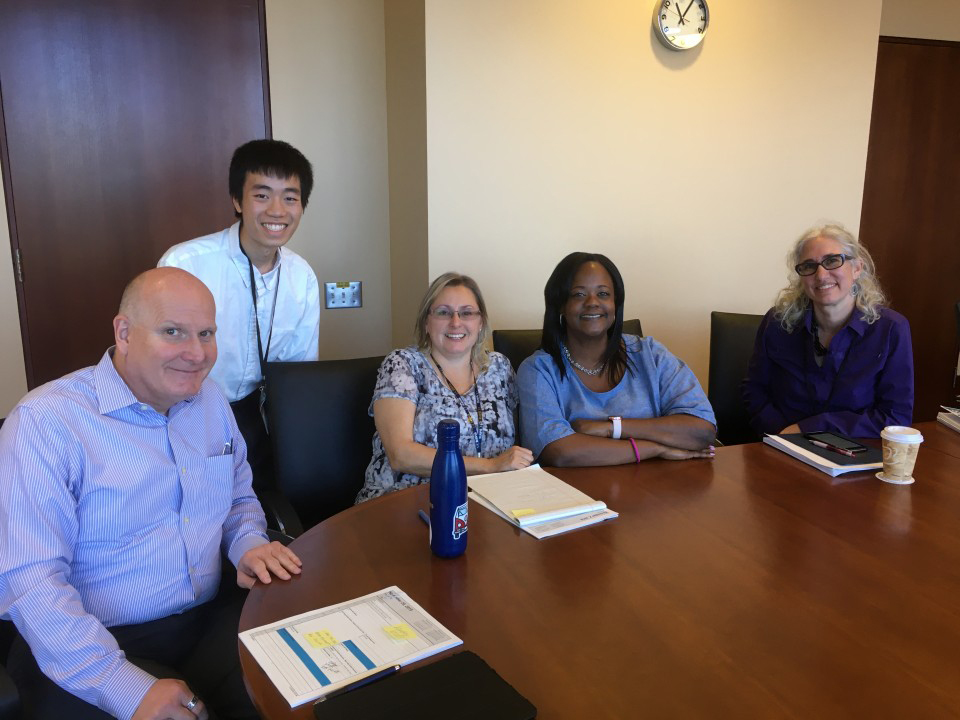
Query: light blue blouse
{"x": 656, "y": 384}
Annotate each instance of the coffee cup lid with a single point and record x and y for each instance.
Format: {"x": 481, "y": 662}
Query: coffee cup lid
{"x": 899, "y": 433}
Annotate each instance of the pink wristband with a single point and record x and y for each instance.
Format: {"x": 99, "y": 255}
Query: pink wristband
{"x": 636, "y": 453}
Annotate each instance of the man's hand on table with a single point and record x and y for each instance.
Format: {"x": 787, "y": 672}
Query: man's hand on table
{"x": 265, "y": 560}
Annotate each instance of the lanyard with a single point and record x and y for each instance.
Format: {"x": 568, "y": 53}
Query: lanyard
{"x": 261, "y": 354}
{"x": 475, "y": 426}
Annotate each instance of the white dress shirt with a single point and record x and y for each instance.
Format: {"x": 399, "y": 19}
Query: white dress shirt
{"x": 219, "y": 262}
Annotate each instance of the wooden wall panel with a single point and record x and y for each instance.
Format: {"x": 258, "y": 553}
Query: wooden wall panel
{"x": 911, "y": 202}
{"x": 119, "y": 118}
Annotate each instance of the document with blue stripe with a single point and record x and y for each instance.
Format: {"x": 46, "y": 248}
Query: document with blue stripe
{"x": 309, "y": 655}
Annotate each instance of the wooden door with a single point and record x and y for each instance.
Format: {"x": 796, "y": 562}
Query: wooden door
{"x": 118, "y": 121}
{"x": 911, "y": 202}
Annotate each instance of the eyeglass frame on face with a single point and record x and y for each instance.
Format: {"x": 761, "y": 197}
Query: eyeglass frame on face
{"x": 812, "y": 265}
{"x": 465, "y": 314}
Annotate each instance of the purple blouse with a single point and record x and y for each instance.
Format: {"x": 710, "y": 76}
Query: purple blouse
{"x": 864, "y": 384}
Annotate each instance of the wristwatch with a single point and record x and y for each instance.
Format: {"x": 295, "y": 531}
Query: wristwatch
{"x": 617, "y": 426}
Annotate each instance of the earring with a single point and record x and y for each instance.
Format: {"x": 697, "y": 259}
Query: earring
{"x": 855, "y": 289}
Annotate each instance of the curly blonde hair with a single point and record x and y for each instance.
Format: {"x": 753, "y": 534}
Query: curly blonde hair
{"x": 479, "y": 355}
{"x": 792, "y": 302}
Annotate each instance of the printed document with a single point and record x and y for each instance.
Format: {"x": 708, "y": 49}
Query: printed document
{"x": 309, "y": 655}
{"x": 551, "y": 527}
{"x": 532, "y": 495}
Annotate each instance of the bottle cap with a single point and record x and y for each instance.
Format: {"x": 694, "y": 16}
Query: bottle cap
{"x": 448, "y": 431}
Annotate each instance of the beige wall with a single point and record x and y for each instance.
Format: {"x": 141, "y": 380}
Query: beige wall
{"x": 13, "y": 380}
{"x": 561, "y": 125}
{"x": 407, "y": 122}
{"x": 327, "y": 92}
{"x": 932, "y": 19}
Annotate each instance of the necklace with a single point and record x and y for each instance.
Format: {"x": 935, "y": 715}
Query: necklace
{"x": 474, "y": 425}
{"x": 593, "y": 373}
{"x": 818, "y": 346}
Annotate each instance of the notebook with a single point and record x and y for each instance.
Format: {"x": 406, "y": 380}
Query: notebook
{"x": 457, "y": 687}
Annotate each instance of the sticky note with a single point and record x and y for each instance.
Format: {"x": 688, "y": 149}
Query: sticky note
{"x": 321, "y": 638}
{"x": 521, "y": 512}
{"x": 400, "y": 632}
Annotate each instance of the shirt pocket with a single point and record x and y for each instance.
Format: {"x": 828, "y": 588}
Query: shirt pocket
{"x": 214, "y": 494}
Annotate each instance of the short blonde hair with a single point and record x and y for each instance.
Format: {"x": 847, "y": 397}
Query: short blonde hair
{"x": 479, "y": 354}
{"x": 792, "y": 302}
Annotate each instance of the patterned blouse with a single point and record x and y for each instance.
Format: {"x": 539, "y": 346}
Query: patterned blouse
{"x": 408, "y": 374}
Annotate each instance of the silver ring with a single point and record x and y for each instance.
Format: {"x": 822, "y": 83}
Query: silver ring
{"x": 193, "y": 703}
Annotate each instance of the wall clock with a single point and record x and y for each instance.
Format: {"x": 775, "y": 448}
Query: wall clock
{"x": 681, "y": 24}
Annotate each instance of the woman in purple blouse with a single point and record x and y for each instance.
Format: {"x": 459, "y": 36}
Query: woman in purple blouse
{"x": 828, "y": 354}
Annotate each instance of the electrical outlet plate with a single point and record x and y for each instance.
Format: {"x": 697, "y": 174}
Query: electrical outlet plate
{"x": 343, "y": 294}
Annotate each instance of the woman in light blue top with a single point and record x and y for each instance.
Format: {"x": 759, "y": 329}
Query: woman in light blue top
{"x": 594, "y": 396}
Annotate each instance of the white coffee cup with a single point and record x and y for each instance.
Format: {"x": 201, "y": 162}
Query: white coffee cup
{"x": 900, "y": 447}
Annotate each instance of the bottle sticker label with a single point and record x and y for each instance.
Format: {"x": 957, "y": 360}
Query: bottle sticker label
{"x": 460, "y": 522}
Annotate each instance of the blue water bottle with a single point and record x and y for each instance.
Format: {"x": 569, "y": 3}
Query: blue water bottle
{"x": 448, "y": 494}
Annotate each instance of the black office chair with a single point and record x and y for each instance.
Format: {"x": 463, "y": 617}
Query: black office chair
{"x": 518, "y": 345}
{"x": 10, "y": 707}
{"x": 732, "y": 336}
{"x": 321, "y": 436}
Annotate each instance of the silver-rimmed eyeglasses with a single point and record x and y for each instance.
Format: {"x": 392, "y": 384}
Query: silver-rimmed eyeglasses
{"x": 829, "y": 262}
{"x": 445, "y": 313}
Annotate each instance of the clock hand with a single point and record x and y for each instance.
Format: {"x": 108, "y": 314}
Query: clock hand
{"x": 687, "y": 10}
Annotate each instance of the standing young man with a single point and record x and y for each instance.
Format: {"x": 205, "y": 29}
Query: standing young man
{"x": 268, "y": 299}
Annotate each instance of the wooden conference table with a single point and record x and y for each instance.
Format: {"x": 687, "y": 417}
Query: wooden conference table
{"x": 750, "y": 586}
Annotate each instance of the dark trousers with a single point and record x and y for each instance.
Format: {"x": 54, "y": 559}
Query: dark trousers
{"x": 198, "y": 646}
{"x": 259, "y": 451}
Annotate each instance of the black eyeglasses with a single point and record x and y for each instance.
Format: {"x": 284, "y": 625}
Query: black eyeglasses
{"x": 829, "y": 262}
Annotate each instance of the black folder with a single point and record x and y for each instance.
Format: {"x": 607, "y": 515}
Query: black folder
{"x": 460, "y": 686}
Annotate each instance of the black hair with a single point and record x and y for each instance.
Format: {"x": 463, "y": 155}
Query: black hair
{"x": 274, "y": 158}
{"x": 555, "y": 295}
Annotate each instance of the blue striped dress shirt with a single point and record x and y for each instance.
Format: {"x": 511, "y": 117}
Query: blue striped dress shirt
{"x": 113, "y": 514}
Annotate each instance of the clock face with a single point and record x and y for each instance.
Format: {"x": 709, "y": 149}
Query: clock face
{"x": 681, "y": 24}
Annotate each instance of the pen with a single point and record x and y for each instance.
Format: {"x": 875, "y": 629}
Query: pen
{"x": 834, "y": 448}
{"x": 370, "y": 677}
{"x": 424, "y": 517}
{"x": 228, "y": 448}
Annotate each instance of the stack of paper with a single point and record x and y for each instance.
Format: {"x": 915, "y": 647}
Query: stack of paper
{"x": 536, "y": 501}
{"x": 950, "y": 418}
{"x": 312, "y": 654}
{"x": 831, "y": 463}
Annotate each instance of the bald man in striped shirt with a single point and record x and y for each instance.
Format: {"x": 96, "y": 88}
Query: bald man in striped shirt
{"x": 120, "y": 486}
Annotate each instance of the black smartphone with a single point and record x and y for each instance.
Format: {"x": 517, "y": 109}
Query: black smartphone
{"x": 836, "y": 441}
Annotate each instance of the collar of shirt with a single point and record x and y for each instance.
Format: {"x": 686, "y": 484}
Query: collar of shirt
{"x": 242, "y": 263}
{"x": 114, "y": 395}
{"x": 856, "y": 322}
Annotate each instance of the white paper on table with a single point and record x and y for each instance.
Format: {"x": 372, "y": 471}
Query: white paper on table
{"x": 532, "y": 495}
{"x": 314, "y": 653}
{"x": 551, "y": 527}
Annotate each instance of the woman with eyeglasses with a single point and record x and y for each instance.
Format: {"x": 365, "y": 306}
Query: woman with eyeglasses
{"x": 828, "y": 354}
{"x": 448, "y": 374}
{"x": 594, "y": 396}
